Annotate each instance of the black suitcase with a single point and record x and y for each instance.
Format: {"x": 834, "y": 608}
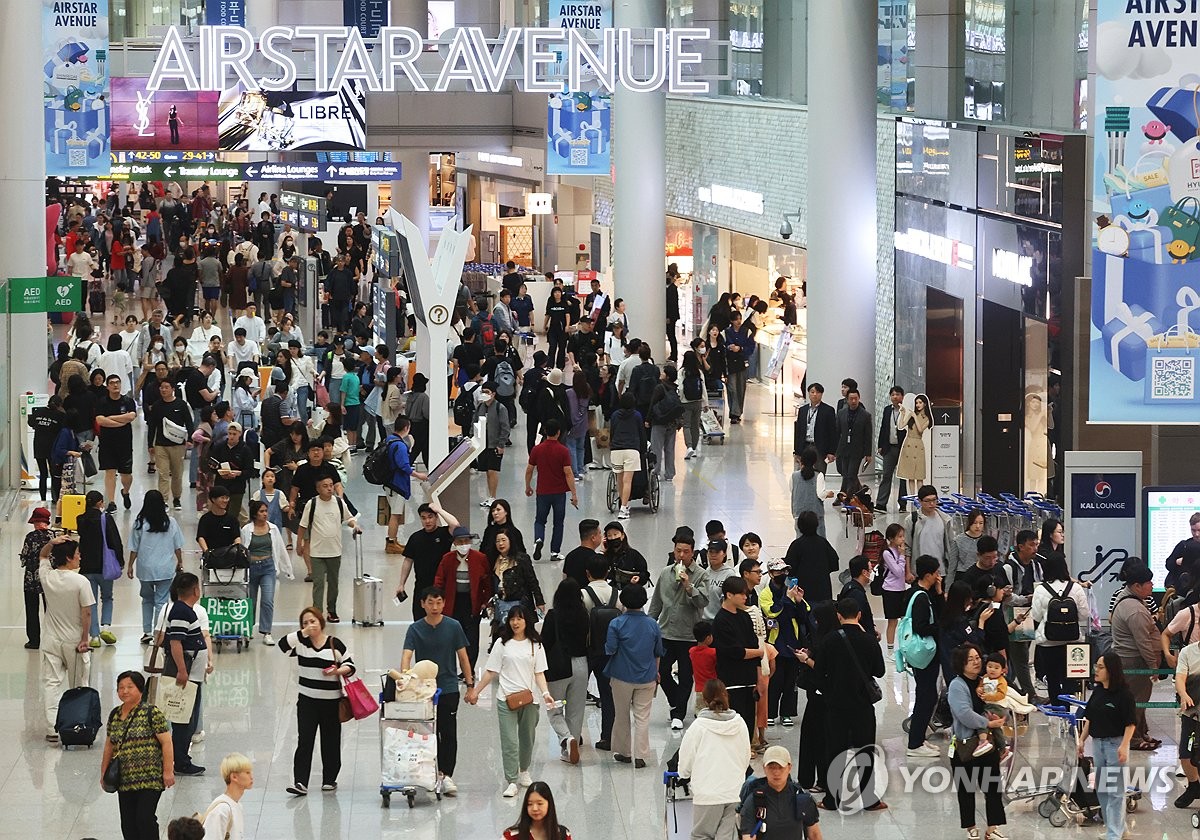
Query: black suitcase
{"x": 78, "y": 718}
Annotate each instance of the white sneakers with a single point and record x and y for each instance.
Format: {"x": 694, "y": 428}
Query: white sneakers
{"x": 926, "y": 750}
{"x": 198, "y": 736}
{"x": 510, "y": 791}
{"x": 676, "y": 724}
{"x": 690, "y": 454}
{"x": 448, "y": 786}
{"x": 623, "y": 513}
{"x": 524, "y": 779}
{"x": 268, "y": 639}
{"x": 487, "y": 503}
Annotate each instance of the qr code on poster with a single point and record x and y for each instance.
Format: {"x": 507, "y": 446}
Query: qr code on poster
{"x": 579, "y": 155}
{"x": 1173, "y": 378}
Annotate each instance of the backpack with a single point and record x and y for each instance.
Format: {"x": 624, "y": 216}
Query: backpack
{"x": 1062, "y": 615}
{"x": 668, "y": 409}
{"x": 645, "y": 388}
{"x": 312, "y": 511}
{"x": 487, "y": 330}
{"x": 506, "y": 380}
{"x": 912, "y": 651}
{"x": 758, "y": 786}
{"x": 464, "y": 410}
{"x": 380, "y": 464}
{"x": 599, "y": 618}
{"x": 881, "y": 567}
{"x": 693, "y": 388}
{"x": 535, "y": 381}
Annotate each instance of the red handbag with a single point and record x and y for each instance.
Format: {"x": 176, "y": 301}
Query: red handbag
{"x": 362, "y": 704}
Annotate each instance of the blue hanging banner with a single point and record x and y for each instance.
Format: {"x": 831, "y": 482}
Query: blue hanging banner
{"x": 225, "y": 12}
{"x": 367, "y": 16}
{"x": 75, "y": 87}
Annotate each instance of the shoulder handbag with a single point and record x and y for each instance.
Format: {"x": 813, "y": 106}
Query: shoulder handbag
{"x": 112, "y": 565}
{"x": 345, "y": 710}
{"x": 227, "y": 557}
{"x": 112, "y": 773}
{"x": 873, "y": 692}
{"x": 155, "y": 655}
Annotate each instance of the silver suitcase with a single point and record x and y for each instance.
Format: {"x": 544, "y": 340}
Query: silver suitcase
{"x": 368, "y": 593}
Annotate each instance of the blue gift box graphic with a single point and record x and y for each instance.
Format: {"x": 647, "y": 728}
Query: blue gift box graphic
{"x": 1168, "y": 291}
{"x": 1125, "y": 339}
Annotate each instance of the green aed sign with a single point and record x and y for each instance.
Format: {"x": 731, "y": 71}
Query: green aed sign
{"x": 45, "y": 294}
{"x": 228, "y": 617}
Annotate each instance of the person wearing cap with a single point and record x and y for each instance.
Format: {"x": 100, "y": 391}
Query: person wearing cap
{"x": 718, "y": 572}
{"x": 114, "y": 417}
{"x": 443, "y": 639}
{"x": 1135, "y": 638}
{"x": 70, "y": 604}
{"x": 31, "y": 548}
{"x": 234, "y": 466}
{"x": 1057, "y": 583}
{"x": 531, "y": 386}
{"x": 713, "y": 757}
{"x": 680, "y": 596}
{"x": 243, "y": 399}
{"x": 464, "y": 574}
{"x": 555, "y": 480}
{"x": 788, "y": 621}
{"x": 775, "y": 807}
{"x": 496, "y": 432}
{"x": 626, "y": 565}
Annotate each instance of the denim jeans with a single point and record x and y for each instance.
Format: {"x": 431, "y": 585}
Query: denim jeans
{"x": 1110, "y": 785}
{"x": 262, "y": 592}
{"x": 102, "y": 592}
{"x": 575, "y": 447}
{"x": 154, "y": 598}
{"x": 545, "y": 503}
{"x": 303, "y": 395}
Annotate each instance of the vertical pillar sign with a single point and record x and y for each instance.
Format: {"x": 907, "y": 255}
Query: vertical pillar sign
{"x": 75, "y": 86}
{"x": 945, "y": 454}
{"x": 225, "y": 12}
{"x": 367, "y": 16}
{"x": 1103, "y": 525}
{"x": 579, "y": 122}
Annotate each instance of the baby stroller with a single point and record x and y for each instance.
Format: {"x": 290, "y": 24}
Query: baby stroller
{"x": 941, "y": 721}
{"x": 645, "y": 485}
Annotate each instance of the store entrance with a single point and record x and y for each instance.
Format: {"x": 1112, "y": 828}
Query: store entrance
{"x": 1000, "y": 399}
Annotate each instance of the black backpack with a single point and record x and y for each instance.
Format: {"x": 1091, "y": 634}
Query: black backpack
{"x": 380, "y": 464}
{"x": 645, "y": 386}
{"x": 599, "y": 618}
{"x": 1062, "y": 615}
{"x": 531, "y": 388}
{"x": 668, "y": 409}
{"x": 464, "y": 410}
{"x": 693, "y": 387}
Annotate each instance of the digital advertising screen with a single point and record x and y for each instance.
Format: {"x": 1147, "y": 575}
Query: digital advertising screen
{"x": 1167, "y": 511}
{"x": 268, "y": 121}
{"x": 162, "y": 120}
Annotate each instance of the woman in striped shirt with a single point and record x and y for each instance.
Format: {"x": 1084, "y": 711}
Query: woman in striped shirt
{"x": 324, "y": 660}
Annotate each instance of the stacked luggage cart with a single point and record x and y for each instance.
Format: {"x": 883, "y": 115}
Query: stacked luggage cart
{"x": 1006, "y": 514}
{"x": 407, "y": 747}
{"x": 231, "y": 612}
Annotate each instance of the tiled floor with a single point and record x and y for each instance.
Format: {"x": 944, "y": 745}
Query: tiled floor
{"x": 249, "y": 701}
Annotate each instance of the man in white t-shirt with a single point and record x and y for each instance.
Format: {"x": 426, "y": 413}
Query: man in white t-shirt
{"x": 255, "y": 327}
{"x": 243, "y": 350}
{"x": 69, "y": 602}
{"x": 321, "y": 542}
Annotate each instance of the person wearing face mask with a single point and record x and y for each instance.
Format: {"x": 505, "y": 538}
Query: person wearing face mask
{"x": 180, "y": 357}
{"x": 465, "y": 576}
{"x": 153, "y": 329}
{"x": 496, "y": 434}
{"x": 626, "y": 565}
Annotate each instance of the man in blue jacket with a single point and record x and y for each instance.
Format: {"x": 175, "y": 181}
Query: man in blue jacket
{"x": 399, "y": 486}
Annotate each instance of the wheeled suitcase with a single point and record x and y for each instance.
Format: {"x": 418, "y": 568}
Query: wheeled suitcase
{"x": 72, "y": 507}
{"x": 368, "y": 593}
{"x": 78, "y": 718}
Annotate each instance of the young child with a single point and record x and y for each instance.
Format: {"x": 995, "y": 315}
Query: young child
{"x": 275, "y": 500}
{"x": 704, "y": 661}
{"x": 993, "y": 690}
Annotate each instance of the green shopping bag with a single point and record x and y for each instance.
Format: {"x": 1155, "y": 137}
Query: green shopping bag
{"x": 1183, "y": 225}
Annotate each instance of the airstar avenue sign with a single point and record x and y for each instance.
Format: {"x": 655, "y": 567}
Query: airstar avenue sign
{"x": 548, "y": 57}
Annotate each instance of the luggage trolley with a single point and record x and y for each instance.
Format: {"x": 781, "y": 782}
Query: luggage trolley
{"x": 712, "y": 428}
{"x": 408, "y": 748}
{"x": 232, "y": 588}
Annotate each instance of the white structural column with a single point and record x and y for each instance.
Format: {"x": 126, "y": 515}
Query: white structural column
{"x": 410, "y": 195}
{"x": 23, "y": 185}
{"x": 841, "y": 195}
{"x": 639, "y": 217}
{"x": 261, "y": 13}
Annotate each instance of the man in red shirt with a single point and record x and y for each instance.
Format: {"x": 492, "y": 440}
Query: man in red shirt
{"x": 555, "y": 479}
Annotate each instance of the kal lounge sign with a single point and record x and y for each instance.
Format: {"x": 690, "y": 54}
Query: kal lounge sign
{"x": 664, "y": 58}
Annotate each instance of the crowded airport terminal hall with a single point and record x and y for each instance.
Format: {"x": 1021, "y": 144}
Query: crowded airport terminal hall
{"x": 600, "y": 419}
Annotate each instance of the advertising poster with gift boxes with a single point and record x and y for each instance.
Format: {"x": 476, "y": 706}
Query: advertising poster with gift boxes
{"x": 1145, "y": 312}
{"x": 75, "y": 86}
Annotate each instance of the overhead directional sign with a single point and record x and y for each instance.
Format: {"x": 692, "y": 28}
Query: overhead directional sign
{"x": 164, "y": 156}
{"x": 258, "y": 171}
{"x": 178, "y": 172}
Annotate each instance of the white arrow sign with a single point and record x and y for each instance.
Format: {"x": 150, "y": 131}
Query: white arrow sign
{"x": 945, "y": 418}
{"x": 251, "y": 172}
{"x": 169, "y": 172}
